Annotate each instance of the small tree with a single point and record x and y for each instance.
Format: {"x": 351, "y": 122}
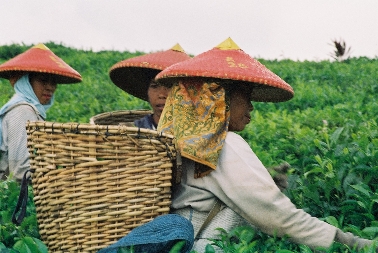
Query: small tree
{"x": 341, "y": 52}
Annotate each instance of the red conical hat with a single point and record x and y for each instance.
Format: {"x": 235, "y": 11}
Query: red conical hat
{"x": 135, "y": 74}
{"x": 42, "y": 60}
{"x": 228, "y": 62}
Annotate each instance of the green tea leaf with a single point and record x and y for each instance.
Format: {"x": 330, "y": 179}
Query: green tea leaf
{"x": 30, "y": 245}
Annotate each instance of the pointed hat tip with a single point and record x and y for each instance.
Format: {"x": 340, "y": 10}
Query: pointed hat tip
{"x": 228, "y": 44}
{"x": 177, "y": 47}
{"x": 41, "y": 46}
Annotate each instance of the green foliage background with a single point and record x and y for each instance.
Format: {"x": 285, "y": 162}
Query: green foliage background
{"x": 327, "y": 132}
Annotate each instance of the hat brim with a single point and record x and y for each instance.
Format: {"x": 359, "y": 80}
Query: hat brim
{"x": 57, "y": 77}
{"x": 134, "y": 80}
{"x": 259, "y": 92}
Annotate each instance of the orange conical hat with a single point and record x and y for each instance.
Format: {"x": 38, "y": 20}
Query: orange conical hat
{"x": 42, "y": 60}
{"x": 135, "y": 74}
{"x": 228, "y": 62}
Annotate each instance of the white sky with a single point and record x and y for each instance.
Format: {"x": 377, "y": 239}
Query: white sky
{"x": 269, "y": 29}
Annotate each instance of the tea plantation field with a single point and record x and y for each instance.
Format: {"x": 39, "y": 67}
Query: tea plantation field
{"x": 328, "y": 134}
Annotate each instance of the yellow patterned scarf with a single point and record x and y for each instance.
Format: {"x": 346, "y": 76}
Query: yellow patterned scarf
{"x": 195, "y": 113}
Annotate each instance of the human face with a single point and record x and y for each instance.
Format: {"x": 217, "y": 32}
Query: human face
{"x": 240, "y": 109}
{"x": 157, "y": 94}
{"x": 43, "y": 87}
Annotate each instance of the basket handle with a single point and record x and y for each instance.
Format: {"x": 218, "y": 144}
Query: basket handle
{"x": 22, "y": 200}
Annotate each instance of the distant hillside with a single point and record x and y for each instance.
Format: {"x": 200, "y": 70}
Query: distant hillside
{"x": 318, "y": 85}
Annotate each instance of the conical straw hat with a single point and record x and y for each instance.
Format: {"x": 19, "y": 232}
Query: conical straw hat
{"x": 228, "y": 62}
{"x": 39, "y": 59}
{"x": 135, "y": 74}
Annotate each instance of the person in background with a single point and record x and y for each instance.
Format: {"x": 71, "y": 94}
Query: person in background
{"x": 135, "y": 76}
{"x": 34, "y": 75}
{"x": 222, "y": 177}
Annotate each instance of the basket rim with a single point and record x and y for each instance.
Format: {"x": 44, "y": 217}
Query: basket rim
{"x": 141, "y": 112}
{"x": 87, "y": 128}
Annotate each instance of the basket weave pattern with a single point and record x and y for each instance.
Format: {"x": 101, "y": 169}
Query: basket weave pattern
{"x": 118, "y": 117}
{"x": 92, "y": 184}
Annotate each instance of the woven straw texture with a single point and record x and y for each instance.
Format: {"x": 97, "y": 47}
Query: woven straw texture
{"x": 121, "y": 117}
{"x": 92, "y": 184}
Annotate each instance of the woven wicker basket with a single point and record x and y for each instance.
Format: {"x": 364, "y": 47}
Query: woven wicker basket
{"x": 120, "y": 117}
{"x": 92, "y": 184}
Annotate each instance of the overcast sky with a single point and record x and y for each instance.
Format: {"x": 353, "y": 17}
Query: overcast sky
{"x": 269, "y": 29}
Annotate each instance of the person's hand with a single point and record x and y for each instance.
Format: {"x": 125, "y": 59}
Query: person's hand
{"x": 279, "y": 175}
{"x": 353, "y": 241}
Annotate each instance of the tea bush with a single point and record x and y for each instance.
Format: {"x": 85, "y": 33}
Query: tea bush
{"x": 327, "y": 133}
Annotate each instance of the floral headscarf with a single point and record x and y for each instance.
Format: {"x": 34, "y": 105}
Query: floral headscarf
{"x": 196, "y": 113}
